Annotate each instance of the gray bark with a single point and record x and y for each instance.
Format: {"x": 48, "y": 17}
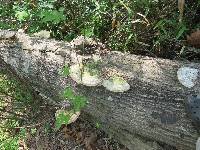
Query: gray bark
{"x": 152, "y": 108}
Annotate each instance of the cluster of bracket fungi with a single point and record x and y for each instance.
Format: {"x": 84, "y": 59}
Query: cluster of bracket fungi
{"x": 83, "y": 74}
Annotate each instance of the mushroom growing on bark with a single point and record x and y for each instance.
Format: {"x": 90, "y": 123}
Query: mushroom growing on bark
{"x": 187, "y": 76}
{"x": 116, "y": 84}
{"x": 82, "y": 75}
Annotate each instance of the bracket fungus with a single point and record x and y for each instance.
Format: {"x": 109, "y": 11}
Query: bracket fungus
{"x": 187, "y": 76}
{"x": 116, "y": 84}
{"x": 43, "y": 34}
{"x": 198, "y": 144}
{"x": 82, "y": 75}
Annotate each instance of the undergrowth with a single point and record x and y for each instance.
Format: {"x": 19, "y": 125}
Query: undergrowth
{"x": 140, "y": 27}
{"x": 20, "y": 110}
{"x": 23, "y": 111}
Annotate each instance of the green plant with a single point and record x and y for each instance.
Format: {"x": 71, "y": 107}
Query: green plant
{"x": 9, "y": 143}
{"x": 16, "y": 102}
{"x": 52, "y": 16}
{"x": 63, "y": 116}
{"x": 128, "y": 26}
{"x": 98, "y": 125}
{"x": 78, "y": 101}
{"x": 21, "y": 15}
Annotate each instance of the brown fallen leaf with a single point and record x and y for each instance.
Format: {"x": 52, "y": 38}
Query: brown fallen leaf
{"x": 80, "y": 137}
{"x": 194, "y": 39}
{"x": 90, "y": 142}
{"x": 67, "y": 133}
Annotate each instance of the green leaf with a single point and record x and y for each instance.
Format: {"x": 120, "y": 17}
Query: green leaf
{"x": 23, "y": 133}
{"x": 61, "y": 9}
{"x": 88, "y": 32}
{"x": 21, "y": 15}
{"x": 61, "y": 119}
{"x": 160, "y": 24}
{"x": 98, "y": 125}
{"x": 181, "y": 31}
{"x": 68, "y": 93}
{"x": 65, "y": 70}
{"x": 79, "y": 102}
{"x": 33, "y": 131}
{"x": 53, "y": 16}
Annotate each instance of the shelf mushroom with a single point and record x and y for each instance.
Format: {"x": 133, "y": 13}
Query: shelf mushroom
{"x": 116, "y": 84}
{"x": 82, "y": 75}
{"x": 187, "y": 76}
{"x": 198, "y": 144}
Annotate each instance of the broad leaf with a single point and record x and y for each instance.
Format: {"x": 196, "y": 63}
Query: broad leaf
{"x": 61, "y": 119}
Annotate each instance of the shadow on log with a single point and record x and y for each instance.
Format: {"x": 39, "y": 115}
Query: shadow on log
{"x": 152, "y": 108}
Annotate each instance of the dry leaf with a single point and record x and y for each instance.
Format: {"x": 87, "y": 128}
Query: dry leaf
{"x": 115, "y": 24}
{"x": 194, "y": 39}
{"x": 80, "y": 137}
{"x": 90, "y": 141}
{"x": 67, "y": 133}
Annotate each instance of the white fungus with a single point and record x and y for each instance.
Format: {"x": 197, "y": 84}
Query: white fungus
{"x": 83, "y": 76}
{"x": 116, "y": 84}
{"x": 43, "y": 34}
{"x": 75, "y": 72}
{"x": 90, "y": 80}
{"x": 187, "y": 76}
{"x": 24, "y": 40}
{"x": 198, "y": 144}
{"x": 96, "y": 58}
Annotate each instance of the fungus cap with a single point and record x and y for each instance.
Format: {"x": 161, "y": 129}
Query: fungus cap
{"x": 187, "y": 76}
{"x": 43, "y": 34}
{"x": 116, "y": 84}
{"x": 90, "y": 80}
{"x": 87, "y": 79}
{"x": 75, "y": 72}
{"x": 198, "y": 144}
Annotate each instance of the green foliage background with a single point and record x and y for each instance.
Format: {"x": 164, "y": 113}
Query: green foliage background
{"x": 147, "y": 27}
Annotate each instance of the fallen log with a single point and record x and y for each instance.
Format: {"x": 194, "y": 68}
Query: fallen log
{"x": 153, "y": 107}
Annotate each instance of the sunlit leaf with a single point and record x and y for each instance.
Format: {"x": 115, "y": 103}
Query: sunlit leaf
{"x": 53, "y": 16}
{"x": 68, "y": 93}
{"x": 79, "y": 102}
{"x": 61, "y": 119}
{"x": 88, "y": 32}
{"x": 21, "y": 15}
{"x": 181, "y": 31}
{"x": 65, "y": 117}
{"x": 65, "y": 70}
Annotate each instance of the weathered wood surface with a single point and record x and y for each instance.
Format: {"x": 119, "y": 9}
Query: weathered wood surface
{"x": 152, "y": 108}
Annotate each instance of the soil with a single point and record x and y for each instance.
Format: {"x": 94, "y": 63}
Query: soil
{"x": 80, "y": 135}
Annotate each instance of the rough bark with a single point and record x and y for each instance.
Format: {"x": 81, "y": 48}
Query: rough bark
{"x": 152, "y": 108}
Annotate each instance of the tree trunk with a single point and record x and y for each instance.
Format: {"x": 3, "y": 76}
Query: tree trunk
{"x": 152, "y": 108}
